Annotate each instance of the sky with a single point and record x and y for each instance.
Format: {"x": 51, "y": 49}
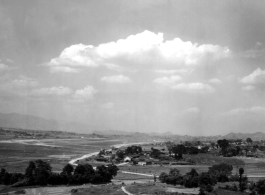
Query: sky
{"x": 190, "y": 67}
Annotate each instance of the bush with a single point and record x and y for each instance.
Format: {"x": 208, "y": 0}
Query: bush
{"x": 206, "y": 179}
{"x": 234, "y": 177}
{"x": 260, "y": 186}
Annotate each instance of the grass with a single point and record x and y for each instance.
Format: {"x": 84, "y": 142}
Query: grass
{"x": 209, "y": 159}
{"x": 226, "y": 192}
{"x": 99, "y": 190}
{"x": 14, "y": 157}
{"x": 149, "y": 169}
{"x": 145, "y": 189}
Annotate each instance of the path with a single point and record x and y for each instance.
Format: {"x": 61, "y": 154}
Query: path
{"x": 135, "y": 173}
{"x": 73, "y": 161}
{"x": 125, "y": 191}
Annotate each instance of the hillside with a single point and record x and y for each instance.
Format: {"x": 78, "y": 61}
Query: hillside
{"x": 254, "y": 136}
{"x": 21, "y": 121}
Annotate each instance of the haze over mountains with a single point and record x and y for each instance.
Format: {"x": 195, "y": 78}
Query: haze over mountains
{"x": 244, "y": 136}
{"x": 20, "y": 121}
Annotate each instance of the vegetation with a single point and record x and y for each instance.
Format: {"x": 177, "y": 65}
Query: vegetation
{"x": 209, "y": 159}
{"x": 40, "y": 173}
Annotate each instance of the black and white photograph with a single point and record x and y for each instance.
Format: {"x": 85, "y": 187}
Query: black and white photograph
{"x": 127, "y": 97}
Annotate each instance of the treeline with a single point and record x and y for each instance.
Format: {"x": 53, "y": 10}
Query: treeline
{"x": 217, "y": 173}
{"x": 205, "y": 180}
{"x": 40, "y": 173}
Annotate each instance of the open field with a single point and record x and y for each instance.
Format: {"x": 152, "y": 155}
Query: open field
{"x": 15, "y": 154}
{"x": 152, "y": 169}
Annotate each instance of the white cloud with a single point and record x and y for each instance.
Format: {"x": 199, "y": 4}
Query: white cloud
{"x": 55, "y": 69}
{"x": 84, "y": 94}
{"x": 248, "y": 88}
{"x": 193, "y": 110}
{"x": 116, "y": 79}
{"x": 60, "y": 91}
{"x": 143, "y": 49}
{"x": 9, "y": 61}
{"x": 25, "y": 82}
{"x": 215, "y": 80}
{"x": 257, "y": 77}
{"x": 181, "y": 71}
{"x": 4, "y": 67}
{"x": 252, "y": 110}
{"x": 168, "y": 80}
{"x": 194, "y": 88}
{"x": 256, "y": 52}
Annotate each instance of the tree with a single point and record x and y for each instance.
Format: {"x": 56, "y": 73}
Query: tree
{"x": 30, "y": 170}
{"x": 155, "y": 153}
{"x": 42, "y": 172}
{"x": 133, "y": 150}
{"x": 113, "y": 170}
{"x": 206, "y": 179}
{"x": 223, "y": 144}
{"x": 68, "y": 169}
{"x": 191, "y": 179}
{"x": 238, "y": 150}
{"x": 221, "y": 171}
{"x": 249, "y": 140}
{"x": 30, "y": 173}
{"x": 174, "y": 172}
{"x": 80, "y": 169}
{"x": 120, "y": 154}
{"x": 163, "y": 177}
{"x": 178, "y": 151}
{"x": 241, "y": 171}
{"x": 192, "y": 150}
{"x": 193, "y": 173}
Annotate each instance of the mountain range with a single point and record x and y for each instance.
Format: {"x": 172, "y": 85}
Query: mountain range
{"x": 21, "y": 121}
{"x": 254, "y": 136}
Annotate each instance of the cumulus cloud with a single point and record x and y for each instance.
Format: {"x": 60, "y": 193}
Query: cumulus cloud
{"x": 60, "y": 91}
{"x": 84, "y": 94}
{"x": 256, "y": 77}
{"x": 55, "y": 69}
{"x": 251, "y": 110}
{"x": 194, "y": 88}
{"x": 256, "y": 52}
{"x": 181, "y": 71}
{"x": 4, "y": 67}
{"x": 23, "y": 81}
{"x": 248, "y": 88}
{"x": 143, "y": 49}
{"x": 168, "y": 80}
{"x": 215, "y": 80}
{"x": 116, "y": 79}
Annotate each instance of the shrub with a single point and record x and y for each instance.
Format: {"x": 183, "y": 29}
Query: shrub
{"x": 260, "y": 186}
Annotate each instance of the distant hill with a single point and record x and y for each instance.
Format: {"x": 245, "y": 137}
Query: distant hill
{"x": 254, "y": 136}
{"x": 116, "y": 132}
{"x": 21, "y": 121}
{"x": 112, "y": 132}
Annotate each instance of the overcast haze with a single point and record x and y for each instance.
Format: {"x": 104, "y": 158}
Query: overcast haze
{"x": 189, "y": 67}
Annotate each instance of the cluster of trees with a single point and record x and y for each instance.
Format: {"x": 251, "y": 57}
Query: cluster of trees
{"x": 133, "y": 150}
{"x": 190, "y": 180}
{"x": 40, "y": 173}
{"x": 130, "y": 150}
{"x": 229, "y": 150}
{"x": 205, "y": 180}
{"x": 180, "y": 149}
